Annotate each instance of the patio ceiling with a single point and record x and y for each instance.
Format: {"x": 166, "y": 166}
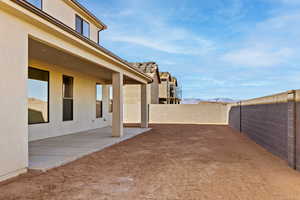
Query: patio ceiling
{"x": 53, "y": 56}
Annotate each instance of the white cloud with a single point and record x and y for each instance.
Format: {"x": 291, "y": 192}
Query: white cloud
{"x": 164, "y": 38}
{"x": 290, "y": 1}
{"x": 205, "y": 80}
{"x": 255, "y": 84}
{"x": 167, "y": 62}
{"x": 284, "y": 2}
{"x": 147, "y": 24}
{"x": 272, "y": 42}
{"x": 234, "y": 9}
{"x": 256, "y": 57}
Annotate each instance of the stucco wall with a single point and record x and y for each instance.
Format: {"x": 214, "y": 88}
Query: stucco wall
{"x": 132, "y": 94}
{"x": 206, "y": 113}
{"x": 84, "y": 104}
{"x": 132, "y": 113}
{"x": 154, "y": 90}
{"x": 163, "y": 89}
{"x": 13, "y": 98}
{"x": 189, "y": 114}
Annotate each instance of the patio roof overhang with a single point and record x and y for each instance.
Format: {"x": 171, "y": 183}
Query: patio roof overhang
{"x": 41, "y": 53}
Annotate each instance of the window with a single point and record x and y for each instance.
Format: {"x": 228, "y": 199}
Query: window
{"x": 78, "y": 22}
{"x": 82, "y": 26}
{"x": 68, "y": 98}
{"x": 38, "y": 96}
{"x": 86, "y": 29}
{"x": 110, "y": 99}
{"x": 36, "y": 3}
{"x": 99, "y": 102}
{"x": 99, "y": 37}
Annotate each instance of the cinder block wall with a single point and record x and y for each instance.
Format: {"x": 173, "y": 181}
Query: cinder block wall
{"x": 235, "y": 117}
{"x": 271, "y": 122}
{"x": 266, "y": 124}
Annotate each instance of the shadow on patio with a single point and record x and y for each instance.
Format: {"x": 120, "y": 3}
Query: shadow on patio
{"x": 53, "y": 152}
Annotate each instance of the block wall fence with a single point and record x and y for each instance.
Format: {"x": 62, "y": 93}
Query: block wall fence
{"x": 272, "y": 122}
{"x": 204, "y": 113}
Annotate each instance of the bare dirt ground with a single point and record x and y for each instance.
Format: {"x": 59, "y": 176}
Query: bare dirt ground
{"x": 170, "y": 162}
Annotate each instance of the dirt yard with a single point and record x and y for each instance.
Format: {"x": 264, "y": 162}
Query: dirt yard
{"x": 170, "y": 162}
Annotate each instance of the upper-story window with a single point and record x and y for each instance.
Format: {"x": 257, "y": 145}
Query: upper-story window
{"x": 99, "y": 37}
{"x": 82, "y": 27}
{"x": 36, "y": 3}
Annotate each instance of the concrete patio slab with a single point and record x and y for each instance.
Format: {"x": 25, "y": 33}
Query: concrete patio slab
{"x": 54, "y": 152}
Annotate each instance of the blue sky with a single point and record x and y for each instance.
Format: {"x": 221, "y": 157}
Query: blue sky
{"x": 219, "y": 48}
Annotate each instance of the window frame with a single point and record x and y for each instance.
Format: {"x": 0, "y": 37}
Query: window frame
{"x": 67, "y": 98}
{"x": 48, "y": 97}
{"x": 101, "y": 113}
{"x": 98, "y": 37}
{"x": 89, "y": 28}
{"x": 111, "y": 99}
{"x": 81, "y": 26}
{"x": 41, "y": 8}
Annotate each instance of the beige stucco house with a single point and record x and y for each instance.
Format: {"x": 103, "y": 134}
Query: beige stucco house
{"x": 55, "y": 77}
{"x": 175, "y": 91}
{"x": 164, "y": 87}
{"x": 132, "y": 93}
{"x": 169, "y": 89}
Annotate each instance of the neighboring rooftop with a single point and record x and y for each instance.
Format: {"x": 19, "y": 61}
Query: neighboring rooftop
{"x": 165, "y": 75}
{"x": 149, "y": 68}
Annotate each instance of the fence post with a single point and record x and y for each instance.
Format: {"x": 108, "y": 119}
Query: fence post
{"x": 291, "y": 126}
{"x": 241, "y": 114}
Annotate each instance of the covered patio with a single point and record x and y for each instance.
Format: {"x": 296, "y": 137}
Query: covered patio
{"x": 55, "y": 82}
{"x": 59, "y": 62}
{"x": 54, "y": 152}
{"x": 57, "y": 141}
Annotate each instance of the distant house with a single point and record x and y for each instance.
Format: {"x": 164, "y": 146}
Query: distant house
{"x": 132, "y": 93}
{"x": 169, "y": 90}
{"x": 175, "y": 91}
{"x": 164, "y": 87}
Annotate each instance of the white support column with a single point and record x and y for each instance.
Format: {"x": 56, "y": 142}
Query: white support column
{"x": 144, "y": 106}
{"x": 13, "y": 97}
{"x": 117, "y": 121}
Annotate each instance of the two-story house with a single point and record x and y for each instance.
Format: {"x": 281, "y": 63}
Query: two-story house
{"x": 132, "y": 93}
{"x": 169, "y": 89}
{"x": 175, "y": 91}
{"x": 164, "y": 87}
{"x": 55, "y": 77}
